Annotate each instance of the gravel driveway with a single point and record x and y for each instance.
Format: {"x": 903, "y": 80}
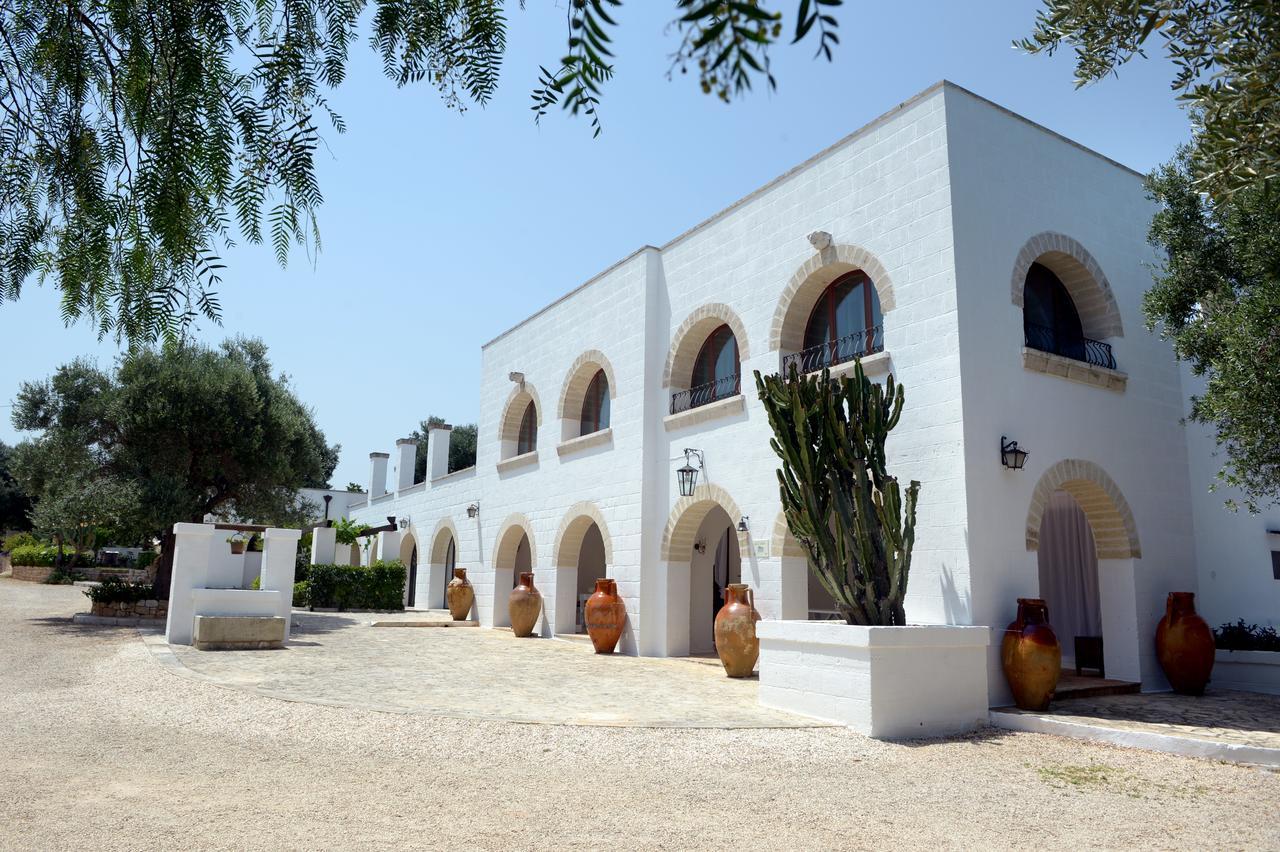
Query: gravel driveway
{"x": 103, "y": 749}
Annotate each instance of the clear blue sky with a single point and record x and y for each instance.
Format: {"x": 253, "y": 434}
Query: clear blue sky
{"x": 441, "y": 230}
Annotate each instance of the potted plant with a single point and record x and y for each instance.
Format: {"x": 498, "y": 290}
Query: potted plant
{"x": 237, "y": 542}
{"x": 857, "y": 524}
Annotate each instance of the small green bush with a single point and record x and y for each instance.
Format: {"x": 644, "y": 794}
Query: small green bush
{"x": 302, "y": 593}
{"x": 46, "y": 555}
{"x": 63, "y": 577}
{"x": 378, "y": 586}
{"x": 1246, "y": 637}
{"x": 146, "y": 559}
{"x": 115, "y": 590}
{"x": 22, "y": 539}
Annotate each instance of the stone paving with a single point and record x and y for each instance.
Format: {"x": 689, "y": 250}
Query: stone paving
{"x": 341, "y": 659}
{"x": 1239, "y": 718}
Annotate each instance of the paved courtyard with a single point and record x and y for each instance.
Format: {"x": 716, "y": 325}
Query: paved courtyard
{"x": 103, "y": 747}
{"x": 469, "y": 672}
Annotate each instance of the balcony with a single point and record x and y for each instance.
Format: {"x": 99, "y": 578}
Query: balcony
{"x": 725, "y": 386}
{"x": 859, "y": 344}
{"x": 1092, "y": 352}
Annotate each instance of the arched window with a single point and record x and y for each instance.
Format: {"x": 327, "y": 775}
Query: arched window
{"x": 845, "y": 323}
{"x": 595, "y": 405}
{"x": 715, "y": 372}
{"x": 1049, "y": 317}
{"x": 528, "y": 440}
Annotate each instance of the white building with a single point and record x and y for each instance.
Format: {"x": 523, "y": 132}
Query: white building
{"x": 994, "y": 267}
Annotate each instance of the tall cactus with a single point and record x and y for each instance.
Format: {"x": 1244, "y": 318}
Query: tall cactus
{"x": 839, "y": 500}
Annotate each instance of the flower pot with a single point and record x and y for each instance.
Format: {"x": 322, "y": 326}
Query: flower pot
{"x": 460, "y": 595}
{"x": 605, "y": 615}
{"x": 524, "y": 605}
{"x": 1031, "y": 656}
{"x": 736, "y": 641}
{"x": 237, "y": 547}
{"x": 1184, "y": 645}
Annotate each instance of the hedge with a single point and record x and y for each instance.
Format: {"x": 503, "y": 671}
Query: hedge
{"x": 115, "y": 590}
{"x": 46, "y": 555}
{"x": 378, "y": 586}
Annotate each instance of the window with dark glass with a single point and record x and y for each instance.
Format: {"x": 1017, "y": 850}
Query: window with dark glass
{"x": 1049, "y": 317}
{"x": 595, "y": 405}
{"x": 528, "y": 440}
{"x": 716, "y": 367}
{"x": 844, "y": 324}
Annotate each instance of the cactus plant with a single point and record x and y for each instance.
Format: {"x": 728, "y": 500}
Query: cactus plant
{"x": 854, "y": 520}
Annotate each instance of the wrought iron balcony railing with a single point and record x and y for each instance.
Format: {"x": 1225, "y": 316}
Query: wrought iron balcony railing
{"x": 725, "y": 386}
{"x": 1045, "y": 339}
{"x": 838, "y": 351}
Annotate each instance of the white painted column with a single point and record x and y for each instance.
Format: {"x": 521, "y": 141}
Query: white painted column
{"x": 388, "y": 547}
{"x": 503, "y": 580}
{"x": 438, "y": 451}
{"x": 562, "y": 599}
{"x": 1121, "y": 640}
{"x": 406, "y": 456}
{"x": 793, "y": 588}
{"x": 377, "y": 475}
{"x": 191, "y": 554}
{"x": 279, "y": 562}
{"x": 324, "y": 546}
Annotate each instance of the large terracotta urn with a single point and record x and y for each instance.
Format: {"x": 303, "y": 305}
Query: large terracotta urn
{"x": 1184, "y": 645}
{"x": 460, "y": 595}
{"x": 736, "y": 641}
{"x": 524, "y": 605}
{"x": 1031, "y": 656}
{"x": 605, "y": 615}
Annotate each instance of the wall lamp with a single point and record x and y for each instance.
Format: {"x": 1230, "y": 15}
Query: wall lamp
{"x": 473, "y": 510}
{"x": 687, "y": 475}
{"x": 1011, "y": 456}
{"x": 404, "y": 523}
{"x": 742, "y": 523}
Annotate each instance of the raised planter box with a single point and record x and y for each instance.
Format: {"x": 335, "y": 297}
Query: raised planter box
{"x": 1251, "y": 671}
{"x": 32, "y": 573}
{"x": 887, "y": 682}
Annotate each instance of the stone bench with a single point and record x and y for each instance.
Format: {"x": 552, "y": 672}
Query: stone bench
{"x": 238, "y": 632}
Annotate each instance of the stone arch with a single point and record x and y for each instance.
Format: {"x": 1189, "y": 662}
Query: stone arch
{"x": 513, "y": 412}
{"x": 809, "y": 282}
{"x": 1079, "y": 273}
{"x": 408, "y": 542}
{"x": 784, "y": 544}
{"x": 688, "y": 514}
{"x": 508, "y": 541}
{"x": 690, "y": 336}
{"x": 440, "y": 542}
{"x": 580, "y": 373}
{"x": 1115, "y": 534}
{"x": 569, "y": 537}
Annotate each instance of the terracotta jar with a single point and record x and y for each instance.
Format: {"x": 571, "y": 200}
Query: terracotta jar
{"x": 605, "y": 615}
{"x": 1031, "y": 656}
{"x": 736, "y": 641}
{"x": 460, "y": 595}
{"x": 524, "y": 605}
{"x": 1184, "y": 645}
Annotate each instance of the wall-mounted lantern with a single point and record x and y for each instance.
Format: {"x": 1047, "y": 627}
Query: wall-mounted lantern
{"x": 1011, "y": 456}
{"x": 404, "y": 523}
{"x": 687, "y": 476}
{"x": 473, "y": 510}
{"x": 742, "y": 524}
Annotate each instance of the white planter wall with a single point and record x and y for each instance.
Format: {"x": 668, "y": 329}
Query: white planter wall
{"x": 1252, "y": 671}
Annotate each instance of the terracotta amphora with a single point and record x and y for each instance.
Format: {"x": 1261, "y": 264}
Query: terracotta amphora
{"x": 460, "y": 595}
{"x": 605, "y": 615}
{"x": 1031, "y": 656}
{"x": 1184, "y": 645}
{"x": 524, "y": 605}
{"x": 736, "y": 641}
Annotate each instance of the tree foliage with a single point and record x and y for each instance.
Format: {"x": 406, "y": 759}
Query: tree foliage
{"x": 14, "y": 502}
{"x": 1227, "y": 56}
{"x": 462, "y": 446}
{"x": 87, "y": 513}
{"x": 196, "y": 430}
{"x": 142, "y": 138}
{"x": 1217, "y": 298}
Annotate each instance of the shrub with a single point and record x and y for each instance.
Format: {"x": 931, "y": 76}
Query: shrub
{"x": 46, "y": 555}
{"x": 115, "y": 590}
{"x": 378, "y": 586}
{"x": 22, "y": 539}
{"x": 302, "y": 593}
{"x": 146, "y": 559}
{"x": 1246, "y": 637}
{"x": 63, "y": 577}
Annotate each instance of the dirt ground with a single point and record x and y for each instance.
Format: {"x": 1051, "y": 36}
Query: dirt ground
{"x": 102, "y": 748}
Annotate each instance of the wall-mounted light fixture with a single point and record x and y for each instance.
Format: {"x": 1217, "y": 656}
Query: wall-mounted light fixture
{"x": 742, "y": 523}
{"x": 1011, "y": 456}
{"x": 404, "y": 523}
{"x": 700, "y": 545}
{"x": 473, "y": 510}
{"x": 687, "y": 476}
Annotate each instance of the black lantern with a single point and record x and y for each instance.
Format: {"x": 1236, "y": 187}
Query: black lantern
{"x": 1010, "y": 455}
{"x": 687, "y": 476}
{"x": 327, "y": 499}
{"x": 473, "y": 510}
{"x": 742, "y": 524}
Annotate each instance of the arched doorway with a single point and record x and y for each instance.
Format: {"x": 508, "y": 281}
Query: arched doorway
{"x": 409, "y": 559}
{"x": 1068, "y": 572}
{"x": 442, "y": 560}
{"x": 581, "y": 555}
{"x": 714, "y": 563}
{"x": 803, "y": 597}
{"x": 513, "y": 554}
{"x": 1054, "y": 531}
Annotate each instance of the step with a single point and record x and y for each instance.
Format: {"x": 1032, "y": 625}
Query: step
{"x": 1071, "y": 686}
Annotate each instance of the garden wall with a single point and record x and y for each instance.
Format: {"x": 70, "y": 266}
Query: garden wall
{"x": 135, "y": 609}
{"x": 32, "y": 573}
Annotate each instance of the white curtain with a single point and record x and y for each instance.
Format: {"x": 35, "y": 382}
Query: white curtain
{"x": 1069, "y": 572}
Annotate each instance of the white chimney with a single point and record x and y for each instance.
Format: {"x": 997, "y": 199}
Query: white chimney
{"x": 438, "y": 451}
{"x": 406, "y": 455}
{"x": 378, "y": 474}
